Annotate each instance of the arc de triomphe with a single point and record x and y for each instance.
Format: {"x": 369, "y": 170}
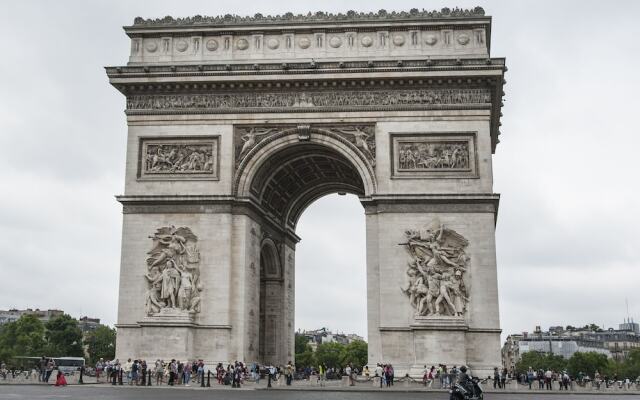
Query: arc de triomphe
{"x": 237, "y": 124}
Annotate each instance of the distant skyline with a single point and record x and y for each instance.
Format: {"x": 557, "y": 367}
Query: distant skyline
{"x": 568, "y": 228}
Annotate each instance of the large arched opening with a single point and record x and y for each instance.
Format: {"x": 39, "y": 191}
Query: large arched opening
{"x": 283, "y": 177}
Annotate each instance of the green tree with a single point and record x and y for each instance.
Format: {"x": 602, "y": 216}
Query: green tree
{"x": 101, "y": 343}
{"x": 539, "y": 360}
{"x": 587, "y": 363}
{"x": 330, "y": 354}
{"x": 24, "y": 337}
{"x": 306, "y": 359}
{"x": 302, "y": 344}
{"x": 64, "y": 337}
{"x": 355, "y": 353}
{"x": 631, "y": 365}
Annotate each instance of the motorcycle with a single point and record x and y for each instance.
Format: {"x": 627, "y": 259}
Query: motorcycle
{"x": 469, "y": 390}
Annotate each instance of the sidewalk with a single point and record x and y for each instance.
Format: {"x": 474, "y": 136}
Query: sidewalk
{"x": 338, "y": 386}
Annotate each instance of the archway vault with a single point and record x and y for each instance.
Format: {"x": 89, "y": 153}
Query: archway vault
{"x": 285, "y": 173}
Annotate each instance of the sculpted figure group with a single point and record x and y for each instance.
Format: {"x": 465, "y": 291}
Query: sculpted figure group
{"x": 438, "y": 155}
{"x": 439, "y": 262}
{"x": 173, "y": 272}
{"x": 178, "y": 158}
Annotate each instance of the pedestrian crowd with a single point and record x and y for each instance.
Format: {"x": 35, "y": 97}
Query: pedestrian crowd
{"x": 547, "y": 379}
{"x": 140, "y": 373}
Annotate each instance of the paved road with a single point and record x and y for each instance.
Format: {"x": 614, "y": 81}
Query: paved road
{"x": 125, "y": 393}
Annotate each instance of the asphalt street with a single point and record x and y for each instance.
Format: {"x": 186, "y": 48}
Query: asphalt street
{"x": 13, "y": 392}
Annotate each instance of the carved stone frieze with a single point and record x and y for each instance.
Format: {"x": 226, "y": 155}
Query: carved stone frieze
{"x": 437, "y": 271}
{"x": 445, "y": 155}
{"x": 173, "y": 273}
{"x": 303, "y": 100}
{"x": 178, "y": 158}
{"x": 433, "y": 155}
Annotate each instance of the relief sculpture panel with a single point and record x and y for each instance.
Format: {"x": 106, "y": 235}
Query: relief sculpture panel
{"x": 433, "y": 155}
{"x": 179, "y": 158}
{"x": 173, "y": 273}
{"x": 437, "y": 271}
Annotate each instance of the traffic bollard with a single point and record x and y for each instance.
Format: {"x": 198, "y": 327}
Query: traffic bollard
{"x": 208, "y": 378}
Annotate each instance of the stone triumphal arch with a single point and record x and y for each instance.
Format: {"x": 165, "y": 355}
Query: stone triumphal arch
{"x": 237, "y": 124}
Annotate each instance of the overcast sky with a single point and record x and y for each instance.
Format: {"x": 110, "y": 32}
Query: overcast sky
{"x": 568, "y": 231}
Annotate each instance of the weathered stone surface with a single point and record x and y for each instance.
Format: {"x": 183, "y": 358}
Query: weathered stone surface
{"x": 237, "y": 124}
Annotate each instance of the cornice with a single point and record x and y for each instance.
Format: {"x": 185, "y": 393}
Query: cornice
{"x": 296, "y": 68}
{"x": 321, "y": 17}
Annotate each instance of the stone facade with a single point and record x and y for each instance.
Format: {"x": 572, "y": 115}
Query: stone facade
{"x": 237, "y": 124}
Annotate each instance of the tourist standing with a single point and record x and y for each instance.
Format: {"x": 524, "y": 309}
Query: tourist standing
{"x": 173, "y": 371}
{"x": 43, "y": 369}
{"x": 547, "y": 379}
{"x": 158, "y": 371}
{"x": 322, "y": 374}
{"x": 348, "y": 371}
{"x": 51, "y": 365}
{"x": 135, "y": 368}
{"x": 186, "y": 373}
{"x": 99, "y": 369}
{"x": 200, "y": 371}
{"x": 380, "y": 373}
{"x": 288, "y": 373}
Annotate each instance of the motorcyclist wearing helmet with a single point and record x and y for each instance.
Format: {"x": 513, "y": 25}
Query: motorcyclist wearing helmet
{"x": 463, "y": 377}
{"x": 465, "y": 380}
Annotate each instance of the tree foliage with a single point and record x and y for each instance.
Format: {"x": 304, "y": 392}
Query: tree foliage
{"x": 302, "y": 344}
{"x": 64, "y": 337}
{"x": 334, "y": 355}
{"x": 587, "y": 363}
{"x": 330, "y": 354}
{"x": 355, "y": 353}
{"x": 24, "y": 337}
{"x": 306, "y": 359}
{"x": 101, "y": 343}
{"x": 539, "y": 360}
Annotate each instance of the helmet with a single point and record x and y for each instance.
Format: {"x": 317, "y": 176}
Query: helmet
{"x": 463, "y": 369}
